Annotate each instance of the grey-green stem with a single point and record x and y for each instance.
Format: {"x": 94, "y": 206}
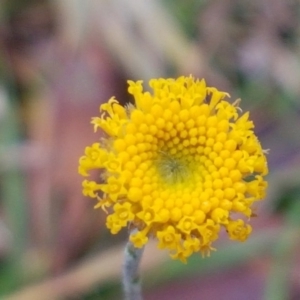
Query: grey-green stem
{"x": 131, "y": 279}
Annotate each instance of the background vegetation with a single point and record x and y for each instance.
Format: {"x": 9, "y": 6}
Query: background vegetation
{"x": 59, "y": 60}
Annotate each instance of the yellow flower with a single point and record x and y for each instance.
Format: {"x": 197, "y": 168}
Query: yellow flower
{"x": 179, "y": 164}
{"x": 90, "y": 188}
{"x": 139, "y": 239}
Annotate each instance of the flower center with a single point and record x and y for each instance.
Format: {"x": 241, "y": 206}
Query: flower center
{"x": 172, "y": 169}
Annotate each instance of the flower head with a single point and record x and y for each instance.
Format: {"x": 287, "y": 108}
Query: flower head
{"x": 179, "y": 164}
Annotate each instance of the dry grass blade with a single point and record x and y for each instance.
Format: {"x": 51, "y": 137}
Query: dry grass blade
{"x": 96, "y": 271}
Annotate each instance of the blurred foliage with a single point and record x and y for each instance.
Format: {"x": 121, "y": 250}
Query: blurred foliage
{"x": 284, "y": 253}
{"x": 186, "y": 13}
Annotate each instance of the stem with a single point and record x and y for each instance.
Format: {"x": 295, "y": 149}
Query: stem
{"x": 131, "y": 280}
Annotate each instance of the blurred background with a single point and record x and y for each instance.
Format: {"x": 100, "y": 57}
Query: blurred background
{"x": 59, "y": 60}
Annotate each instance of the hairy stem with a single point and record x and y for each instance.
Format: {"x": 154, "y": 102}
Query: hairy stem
{"x": 131, "y": 280}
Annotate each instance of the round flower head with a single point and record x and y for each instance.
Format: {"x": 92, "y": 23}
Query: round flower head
{"x": 179, "y": 164}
